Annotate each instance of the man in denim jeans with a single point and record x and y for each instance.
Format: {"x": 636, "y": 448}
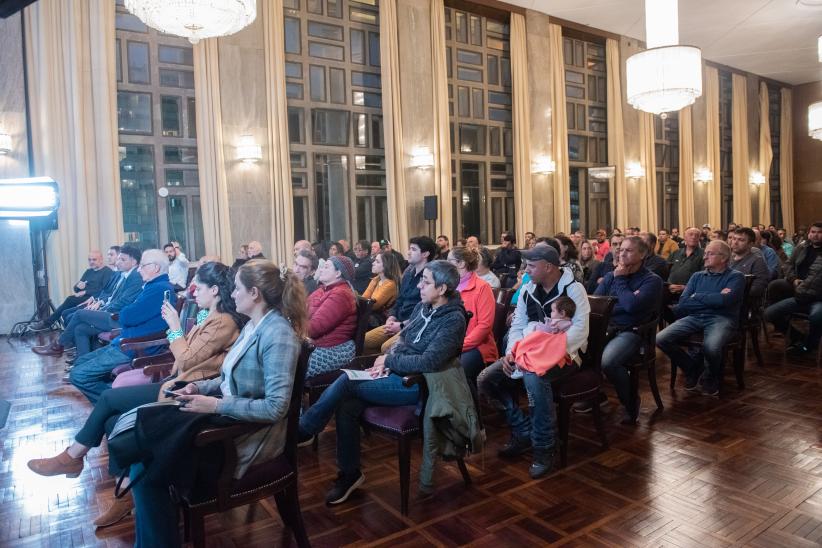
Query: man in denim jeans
{"x": 708, "y": 305}
{"x": 537, "y": 430}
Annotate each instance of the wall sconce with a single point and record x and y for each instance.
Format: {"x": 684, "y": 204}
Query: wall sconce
{"x": 5, "y": 143}
{"x": 543, "y": 165}
{"x": 422, "y": 158}
{"x": 634, "y": 171}
{"x": 703, "y": 176}
{"x": 602, "y": 173}
{"x": 248, "y": 151}
{"x": 757, "y": 178}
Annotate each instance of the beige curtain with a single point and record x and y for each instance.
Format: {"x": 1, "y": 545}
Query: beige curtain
{"x": 70, "y": 59}
{"x": 616, "y": 136}
{"x": 739, "y": 143}
{"x": 648, "y": 207}
{"x": 279, "y": 168}
{"x": 559, "y": 132}
{"x": 210, "y": 156}
{"x": 523, "y": 188}
{"x": 442, "y": 141}
{"x": 392, "y": 120}
{"x": 786, "y": 160}
{"x": 687, "y": 216}
{"x": 713, "y": 164}
{"x": 765, "y": 156}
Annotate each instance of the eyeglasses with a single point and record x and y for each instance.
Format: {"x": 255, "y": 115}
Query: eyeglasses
{"x": 143, "y": 265}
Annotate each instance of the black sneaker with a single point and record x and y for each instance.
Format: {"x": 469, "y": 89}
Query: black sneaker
{"x": 710, "y": 388}
{"x": 515, "y": 447}
{"x": 304, "y": 440}
{"x": 343, "y": 487}
{"x": 693, "y": 383}
{"x": 543, "y": 462}
{"x": 797, "y": 350}
{"x": 631, "y": 415}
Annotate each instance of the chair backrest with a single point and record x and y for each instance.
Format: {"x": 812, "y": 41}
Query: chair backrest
{"x": 364, "y": 307}
{"x": 504, "y": 295}
{"x": 495, "y": 291}
{"x": 500, "y": 325}
{"x": 192, "y": 270}
{"x": 747, "y": 302}
{"x": 601, "y": 308}
{"x": 647, "y": 332}
{"x": 292, "y": 428}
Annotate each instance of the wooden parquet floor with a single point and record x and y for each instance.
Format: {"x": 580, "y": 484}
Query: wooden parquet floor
{"x": 741, "y": 470}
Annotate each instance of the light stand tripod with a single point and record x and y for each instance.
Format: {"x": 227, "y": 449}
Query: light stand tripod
{"x": 39, "y": 232}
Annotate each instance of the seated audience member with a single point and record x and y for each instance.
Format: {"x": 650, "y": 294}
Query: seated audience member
{"x": 177, "y": 266}
{"x": 375, "y": 248}
{"x": 383, "y": 287}
{"x": 665, "y": 245}
{"x": 473, "y": 242}
{"x": 606, "y": 266}
{"x": 91, "y": 373}
{"x": 347, "y": 251}
{"x": 431, "y": 341}
{"x": 683, "y": 263}
{"x": 705, "y": 235}
{"x": 587, "y": 261}
{"x": 576, "y": 238}
{"x": 537, "y": 431}
{"x": 479, "y": 347}
{"x": 484, "y": 268}
{"x": 385, "y": 245}
{"x": 91, "y": 284}
{"x": 305, "y": 265}
{"x": 638, "y": 292}
{"x": 709, "y": 305}
{"x": 335, "y": 249}
{"x": 380, "y": 339}
{"x": 524, "y": 278}
{"x": 771, "y": 240}
{"x": 616, "y": 231}
{"x": 332, "y": 316}
{"x": 443, "y": 247}
{"x": 88, "y": 322}
{"x": 654, "y": 262}
{"x": 800, "y": 291}
{"x": 787, "y": 244}
{"x": 601, "y": 245}
{"x": 530, "y": 240}
{"x": 197, "y": 356}
{"x": 770, "y": 256}
{"x": 568, "y": 254}
{"x": 302, "y": 244}
{"x": 507, "y": 259}
{"x": 676, "y": 238}
{"x": 254, "y": 250}
{"x": 732, "y": 227}
{"x": 718, "y": 235}
{"x": 362, "y": 266}
{"x": 242, "y": 256}
{"x": 255, "y": 386}
{"x": 746, "y": 261}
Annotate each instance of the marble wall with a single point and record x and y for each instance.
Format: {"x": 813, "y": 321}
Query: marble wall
{"x": 17, "y": 289}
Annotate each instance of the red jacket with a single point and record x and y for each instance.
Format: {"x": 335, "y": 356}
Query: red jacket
{"x": 478, "y": 299}
{"x": 332, "y": 314}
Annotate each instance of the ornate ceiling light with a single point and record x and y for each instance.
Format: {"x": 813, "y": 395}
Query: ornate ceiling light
{"x": 666, "y": 77}
{"x": 195, "y": 19}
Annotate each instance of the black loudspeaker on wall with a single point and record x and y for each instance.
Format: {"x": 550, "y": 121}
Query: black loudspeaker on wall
{"x": 430, "y": 208}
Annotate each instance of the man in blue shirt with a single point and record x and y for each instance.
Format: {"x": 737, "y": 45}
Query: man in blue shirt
{"x": 708, "y": 305}
{"x": 638, "y": 292}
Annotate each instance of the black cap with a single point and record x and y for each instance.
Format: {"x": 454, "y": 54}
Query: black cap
{"x": 542, "y": 252}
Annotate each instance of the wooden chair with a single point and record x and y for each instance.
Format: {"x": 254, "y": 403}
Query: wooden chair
{"x": 504, "y": 295}
{"x": 754, "y": 323}
{"x": 585, "y": 384}
{"x": 500, "y": 327}
{"x": 107, "y": 336}
{"x": 645, "y": 359}
{"x": 738, "y": 343}
{"x": 277, "y": 477}
{"x": 364, "y": 307}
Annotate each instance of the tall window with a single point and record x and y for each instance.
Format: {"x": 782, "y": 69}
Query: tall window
{"x": 335, "y": 124}
{"x": 157, "y": 134}
{"x": 482, "y": 142}
{"x": 585, "y": 92}
{"x": 726, "y": 164}
{"x": 666, "y": 135}
{"x": 775, "y": 118}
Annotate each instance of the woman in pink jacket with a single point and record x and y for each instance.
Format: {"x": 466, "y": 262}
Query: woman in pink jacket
{"x": 479, "y": 347}
{"x": 332, "y": 316}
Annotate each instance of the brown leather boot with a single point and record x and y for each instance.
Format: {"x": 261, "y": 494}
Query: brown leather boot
{"x": 119, "y": 509}
{"x": 55, "y": 466}
{"x": 53, "y": 349}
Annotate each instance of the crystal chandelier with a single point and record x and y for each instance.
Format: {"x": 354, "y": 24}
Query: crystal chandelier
{"x": 666, "y": 77}
{"x": 815, "y": 120}
{"x": 195, "y": 19}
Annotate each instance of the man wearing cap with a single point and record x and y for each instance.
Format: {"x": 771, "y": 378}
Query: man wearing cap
{"x": 537, "y": 430}
{"x": 385, "y": 246}
{"x": 332, "y": 316}
{"x": 380, "y": 339}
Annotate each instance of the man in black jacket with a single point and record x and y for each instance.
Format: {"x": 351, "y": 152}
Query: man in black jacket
{"x": 507, "y": 260}
{"x": 362, "y": 265}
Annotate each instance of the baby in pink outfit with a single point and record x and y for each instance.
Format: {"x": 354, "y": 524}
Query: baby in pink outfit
{"x": 562, "y": 310}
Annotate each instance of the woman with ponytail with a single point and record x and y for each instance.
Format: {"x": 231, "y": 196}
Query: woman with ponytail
{"x": 197, "y": 356}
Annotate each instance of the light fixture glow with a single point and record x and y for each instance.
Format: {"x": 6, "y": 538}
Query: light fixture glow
{"x": 602, "y": 173}
{"x": 5, "y": 143}
{"x": 815, "y": 120}
{"x": 543, "y": 165}
{"x": 819, "y": 48}
{"x": 248, "y": 150}
{"x": 634, "y": 171}
{"x": 703, "y": 175}
{"x": 28, "y": 197}
{"x": 757, "y": 178}
{"x": 422, "y": 158}
{"x": 195, "y": 19}
{"x": 666, "y": 77}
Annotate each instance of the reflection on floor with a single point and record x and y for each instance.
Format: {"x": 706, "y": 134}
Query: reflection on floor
{"x": 742, "y": 470}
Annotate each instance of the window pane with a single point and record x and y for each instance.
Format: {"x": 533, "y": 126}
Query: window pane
{"x": 330, "y": 127}
{"x": 478, "y": 101}
{"x": 316, "y": 76}
{"x": 363, "y": 16}
{"x": 493, "y": 69}
{"x": 471, "y": 57}
{"x": 337, "y": 84}
{"x": 476, "y": 31}
{"x": 179, "y": 155}
{"x": 366, "y": 79}
{"x": 293, "y": 70}
{"x": 292, "y": 35}
{"x": 471, "y": 75}
{"x": 463, "y": 102}
{"x": 138, "y": 69}
{"x": 118, "y": 61}
{"x": 295, "y": 125}
{"x": 176, "y": 55}
{"x": 139, "y": 196}
{"x": 325, "y": 51}
{"x": 192, "y": 117}
{"x": 293, "y": 91}
{"x": 373, "y": 49}
{"x": 357, "y": 47}
{"x": 177, "y": 78}
{"x": 360, "y": 130}
{"x": 377, "y": 140}
{"x": 367, "y": 99}
{"x": 134, "y": 112}
{"x": 577, "y": 148}
{"x": 472, "y": 139}
{"x": 324, "y": 30}
{"x": 499, "y": 115}
{"x": 126, "y": 21}
{"x": 170, "y": 115}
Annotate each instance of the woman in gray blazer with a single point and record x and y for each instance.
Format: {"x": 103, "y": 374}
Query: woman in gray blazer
{"x": 255, "y": 385}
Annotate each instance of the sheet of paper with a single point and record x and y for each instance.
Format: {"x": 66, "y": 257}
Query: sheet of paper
{"x": 357, "y": 375}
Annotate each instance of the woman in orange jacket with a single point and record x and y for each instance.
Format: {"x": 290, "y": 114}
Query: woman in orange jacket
{"x": 383, "y": 287}
{"x": 479, "y": 347}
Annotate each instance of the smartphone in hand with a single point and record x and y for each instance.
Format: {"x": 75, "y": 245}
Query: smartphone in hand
{"x": 167, "y": 296}
{"x": 170, "y": 393}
